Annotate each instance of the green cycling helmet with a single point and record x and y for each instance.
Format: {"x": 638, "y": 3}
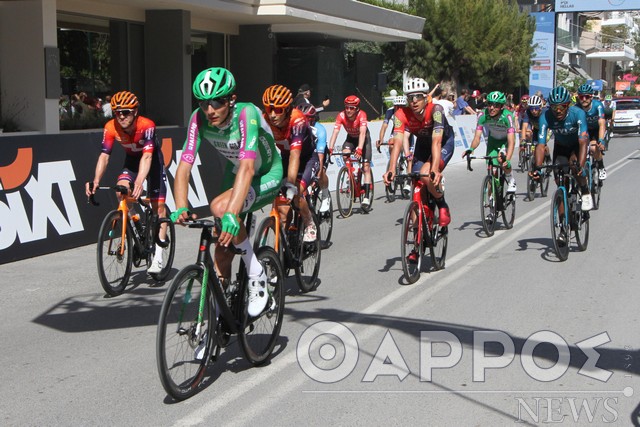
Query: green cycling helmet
{"x": 585, "y": 89}
{"x": 214, "y": 83}
{"x": 559, "y": 95}
{"x": 608, "y": 98}
{"x": 497, "y": 97}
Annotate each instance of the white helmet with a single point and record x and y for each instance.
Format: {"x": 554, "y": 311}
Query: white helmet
{"x": 535, "y": 101}
{"x": 416, "y": 85}
{"x": 400, "y": 100}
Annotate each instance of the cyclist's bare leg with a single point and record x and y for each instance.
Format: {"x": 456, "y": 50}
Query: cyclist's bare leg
{"x": 159, "y": 208}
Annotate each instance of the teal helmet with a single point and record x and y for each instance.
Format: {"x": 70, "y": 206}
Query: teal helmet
{"x": 559, "y": 95}
{"x": 585, "y": 89}
{"x": 214, "y": 83}
{"x": 497, "y": 97}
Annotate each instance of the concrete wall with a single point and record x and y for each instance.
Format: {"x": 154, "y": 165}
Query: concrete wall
{"x": 167, "y": 34}
{"x": 26, "y": 27}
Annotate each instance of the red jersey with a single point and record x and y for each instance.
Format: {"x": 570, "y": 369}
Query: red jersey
{"x": 434, "y": 118}
{"x": 291, "y": 137}
{"x": 142, "y": 140}
{"x": 352, "y": 127}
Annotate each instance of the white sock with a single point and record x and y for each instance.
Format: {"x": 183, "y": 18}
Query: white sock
{"x": 253, "y": 266}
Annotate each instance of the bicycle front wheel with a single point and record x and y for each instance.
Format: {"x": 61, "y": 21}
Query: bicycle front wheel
{"x": 488, "y": 206}
{"x": 168, "y": 247}
{"x": 411, "y": 248}
{"x": 559, "y": 226}
{"x": 344, "y": 192}
{"x": 260, "y": 334}
{"x": 308, "y": 253}
{"x": 184, "y": 345}
{"x": 114, "y": 254}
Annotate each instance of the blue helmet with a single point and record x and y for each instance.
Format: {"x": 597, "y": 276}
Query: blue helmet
{"x": 559, "y": 95}
{"x": 585, "y": 89}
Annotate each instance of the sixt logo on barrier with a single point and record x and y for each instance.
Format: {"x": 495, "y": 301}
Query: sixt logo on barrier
{"x": 53, "y": 178}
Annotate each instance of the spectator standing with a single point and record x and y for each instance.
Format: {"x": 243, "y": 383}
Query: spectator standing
{"x": 462, "y": 105}
{"x": 106, "y": 107}
{"x": 303, "y": 96}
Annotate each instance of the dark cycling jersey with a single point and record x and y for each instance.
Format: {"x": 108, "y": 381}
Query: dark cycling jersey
{"x": 142, "y": 141}
{"x": 567, "y": 132}
{"x": 595, "y": 113}
{"x": 246, "y": 137}
{"x": 533, "y": 121}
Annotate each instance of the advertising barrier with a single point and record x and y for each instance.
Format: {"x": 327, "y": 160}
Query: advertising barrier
{"x": 43, "y": 206}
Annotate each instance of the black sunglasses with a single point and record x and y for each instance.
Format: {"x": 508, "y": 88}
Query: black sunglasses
{"x": 494, "y": 105}
{"x": 215, "y": 103}
{"x": 123, "y": 113}
{"x": 415, "y": 97}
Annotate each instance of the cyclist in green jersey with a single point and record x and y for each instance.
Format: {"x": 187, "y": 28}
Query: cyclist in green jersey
{"x": 252, "y": 174}
{"x": 499, "y": 124}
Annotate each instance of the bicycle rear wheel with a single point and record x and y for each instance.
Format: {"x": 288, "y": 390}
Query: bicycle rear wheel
{"x": 325, "y": 220}
{"x": 183, "y": 346}
{"x": 391, "y": 187}
{"x": 596, "y": 186}
{"x": 509, "y": 210}
{"x": 113, "y": 254}
{"x": 344, "y": 192}
{"x": 488, "y": 209}
{"x": 367, "y": 208}
{"x": 168, "y": 250}
{"x": 308, "y": 254}
{"x": 259, "y": 334}
{"x": 411, "y": 248}
{"x": 546, "y": 177}
{"x": 580, "y": 225}
{"x": 559, "y": 226}
{"x": 439, "y": 240}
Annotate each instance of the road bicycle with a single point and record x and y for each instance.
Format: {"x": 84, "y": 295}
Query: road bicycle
{"x": 542, "y": 182}
{"x": 325, "y": 219}
{"x": 494, "y": 199}
{"x": 349, "y": 187}
{"x": 286, "y": 238}
{"x": 524, "y": 161}
{"x": 128, "y": 239}
{"x": 402, "y": 167}
{"x": 199, "y": 315}
{"x": 565, "y": 221}
{"x": 420, "y": 230}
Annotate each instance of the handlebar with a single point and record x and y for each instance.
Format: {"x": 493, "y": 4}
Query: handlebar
{"x": 215, "y": 226}
{"x": 469, "y": 158}
{"x": 124, "y": 192}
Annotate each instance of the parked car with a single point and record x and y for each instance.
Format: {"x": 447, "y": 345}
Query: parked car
{"x": 626, "y": 118}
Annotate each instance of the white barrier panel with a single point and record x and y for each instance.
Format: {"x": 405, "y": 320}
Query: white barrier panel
{"x": 464, "y": 127}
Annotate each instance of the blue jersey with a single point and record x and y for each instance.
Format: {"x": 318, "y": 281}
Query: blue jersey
{"x": 320, "y": 133}
{"x": 567, "y": 132}
{"x": 595, "y": 113}
{"x": 534, "y": 122}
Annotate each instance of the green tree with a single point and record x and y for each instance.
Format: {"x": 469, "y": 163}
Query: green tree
{"x": 474, "y": 43}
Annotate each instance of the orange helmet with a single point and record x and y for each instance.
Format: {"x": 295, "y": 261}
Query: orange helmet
{"x": 277, "y": 96}
{"x": 352, "y": 100}
{"x": 124, "y": 100}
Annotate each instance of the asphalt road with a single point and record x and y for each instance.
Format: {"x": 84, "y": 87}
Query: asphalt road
{"x": 503, "y": 334}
